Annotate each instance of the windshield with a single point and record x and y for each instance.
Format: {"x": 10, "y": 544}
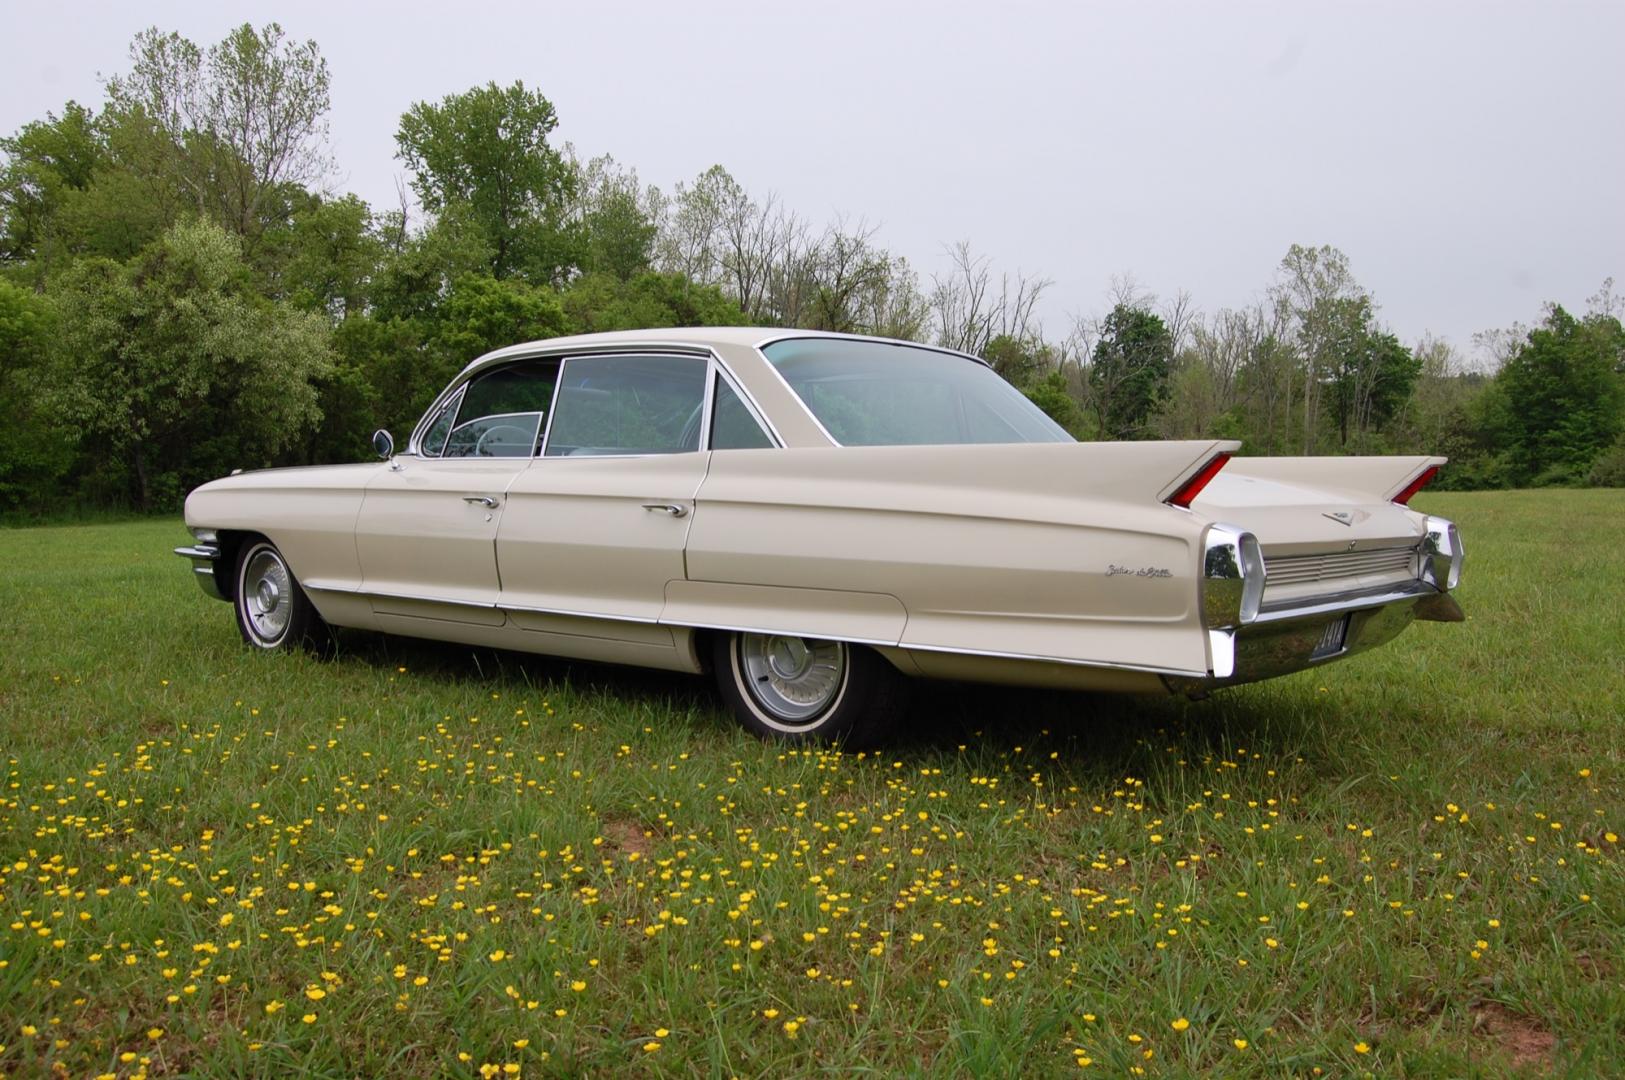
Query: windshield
{"x": 875, "y": 393}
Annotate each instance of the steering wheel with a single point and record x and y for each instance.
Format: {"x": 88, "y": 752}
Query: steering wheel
{"x": 519, "y": 433}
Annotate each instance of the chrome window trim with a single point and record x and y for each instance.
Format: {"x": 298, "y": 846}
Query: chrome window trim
{"x": 720, "y": 375}
{"x": 790, "y": 335}
{"x": 540, "y": 449}
{"x": 776, "y": 338}
{"x": 414, "y": 444}
{"x": 543, "y": 351}
{"x": 788, "y": 389}
{"x": 705, "y": 401}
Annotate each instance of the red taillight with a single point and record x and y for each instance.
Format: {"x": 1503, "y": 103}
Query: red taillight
{"x": 1416, "y": 485}
{"x": 1193, "y": 487}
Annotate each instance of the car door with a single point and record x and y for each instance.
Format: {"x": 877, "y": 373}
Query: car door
{"x": 426, "y": 535}
{"x": 596, "y": 525}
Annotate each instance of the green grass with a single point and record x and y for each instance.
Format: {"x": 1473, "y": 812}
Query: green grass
{"x": 1403, "y": 864}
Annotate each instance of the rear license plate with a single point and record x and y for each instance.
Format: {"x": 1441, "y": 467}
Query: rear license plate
{"x": 1332, "y": 639}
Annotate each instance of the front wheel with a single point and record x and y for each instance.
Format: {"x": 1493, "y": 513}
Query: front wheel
{"x": 273, "y": 612}
{"x": 807, "y": 689}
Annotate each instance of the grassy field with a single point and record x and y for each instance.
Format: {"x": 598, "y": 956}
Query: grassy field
{"x": 423, "y": 859}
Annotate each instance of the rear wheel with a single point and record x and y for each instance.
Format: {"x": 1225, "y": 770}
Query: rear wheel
{"x": 807, "y": 689}
{"x": 273, "y": 612}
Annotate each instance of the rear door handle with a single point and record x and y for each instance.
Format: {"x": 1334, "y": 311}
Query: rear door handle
{"x": 674, "y": 509}
{"x": 481, "y": 500}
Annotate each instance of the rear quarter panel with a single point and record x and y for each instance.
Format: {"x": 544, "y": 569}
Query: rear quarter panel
{"x": 994, "y": 549}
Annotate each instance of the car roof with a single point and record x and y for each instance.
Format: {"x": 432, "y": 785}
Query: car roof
{"x": 700, "y": 337}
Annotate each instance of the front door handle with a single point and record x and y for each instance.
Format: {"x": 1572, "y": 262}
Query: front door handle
{"x": 481, "y": 500}
{"x": 674, "y": 509}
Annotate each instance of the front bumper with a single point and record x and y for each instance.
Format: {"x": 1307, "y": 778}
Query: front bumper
{"x": 205, "y": 557}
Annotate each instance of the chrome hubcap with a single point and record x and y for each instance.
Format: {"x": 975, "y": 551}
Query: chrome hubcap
{"x": 265, "y": 584}
{"x": 792, "y": 679}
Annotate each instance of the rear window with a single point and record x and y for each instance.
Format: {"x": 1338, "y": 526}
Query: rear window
{"x": 876, "y": 393}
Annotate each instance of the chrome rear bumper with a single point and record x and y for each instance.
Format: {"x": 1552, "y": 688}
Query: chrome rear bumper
{"x": 1289, "y": 637}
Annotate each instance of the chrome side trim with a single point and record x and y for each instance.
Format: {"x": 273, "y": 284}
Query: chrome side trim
{"x": 1112, "y": 665}
{"x": 1347, "y": 601}
{"x": 788, "y": 631}
{"x": 782, "y": 631}
{"x": 385, "y": 595}
{"x": 642, "y": 620}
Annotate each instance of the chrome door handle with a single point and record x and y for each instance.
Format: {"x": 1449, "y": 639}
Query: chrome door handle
{"x": 481, "y": 500}
{"x": 669, "y": 508}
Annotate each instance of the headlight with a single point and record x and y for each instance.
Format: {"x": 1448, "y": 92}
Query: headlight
{"x": 1232, "y": 577}
{"x": 1442, "y": 554}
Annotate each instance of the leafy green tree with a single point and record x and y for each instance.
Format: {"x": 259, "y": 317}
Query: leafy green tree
{"x": 47, "y": 162}
{"x": 600, "y": 302}
{"x": 1560, "y": 398}
{"x": 619, "y": 220}
{"x": 1129, "y": 373}
{"x": 418, "y": 270}
{"x": 1052, "y": 394}
{"x": 485, "y": 313}
{"x": 1370, "y": 373}
{"x": 173, "y": 367}
{"x": 34, "y": 450}
{"x": 487, "y": 149}
{"x": 324, "y": 256}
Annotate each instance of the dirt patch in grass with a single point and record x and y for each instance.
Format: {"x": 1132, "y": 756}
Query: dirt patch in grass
{"x": 1520, "y": 1040}
{"x": 627, "y": 834}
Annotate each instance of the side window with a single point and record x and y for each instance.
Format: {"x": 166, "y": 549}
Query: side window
{"x": 628, "y": 405}
{"x": 502, "y": 412}
{"x": 732, "y": 425}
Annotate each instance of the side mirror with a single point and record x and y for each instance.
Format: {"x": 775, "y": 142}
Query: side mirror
{"x": 383, "y": 443}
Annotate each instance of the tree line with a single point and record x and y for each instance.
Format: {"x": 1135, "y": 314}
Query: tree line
{"x": 182, "y": 293}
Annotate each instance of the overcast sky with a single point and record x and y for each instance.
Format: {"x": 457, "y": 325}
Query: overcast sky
{"x": 1467, "y": 157}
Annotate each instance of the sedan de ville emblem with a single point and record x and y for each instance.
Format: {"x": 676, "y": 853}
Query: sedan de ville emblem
{"x": 1342, "y": 517}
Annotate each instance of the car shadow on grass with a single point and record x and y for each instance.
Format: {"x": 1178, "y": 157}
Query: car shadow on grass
{"x": 1111, "y": 731}
{"x": 1102, "y": 729}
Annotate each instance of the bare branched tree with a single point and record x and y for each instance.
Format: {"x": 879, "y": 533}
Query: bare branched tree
{"x": 241, "y": 120}
{"x": 970, "y": 309}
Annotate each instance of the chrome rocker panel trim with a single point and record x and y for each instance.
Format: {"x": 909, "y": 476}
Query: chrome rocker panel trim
{"x": 787, "y": 630}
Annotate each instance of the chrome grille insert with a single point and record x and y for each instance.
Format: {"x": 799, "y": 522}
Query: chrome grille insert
{"x": 1304, "y": 569}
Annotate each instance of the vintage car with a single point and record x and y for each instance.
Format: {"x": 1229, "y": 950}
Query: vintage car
{"x": 813, "y": 516}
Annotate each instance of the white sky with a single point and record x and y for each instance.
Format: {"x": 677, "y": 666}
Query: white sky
{"x": 1467, "y": 157}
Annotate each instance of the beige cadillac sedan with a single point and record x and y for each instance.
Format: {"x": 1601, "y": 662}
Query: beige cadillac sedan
{"x": 813, "y": 517}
